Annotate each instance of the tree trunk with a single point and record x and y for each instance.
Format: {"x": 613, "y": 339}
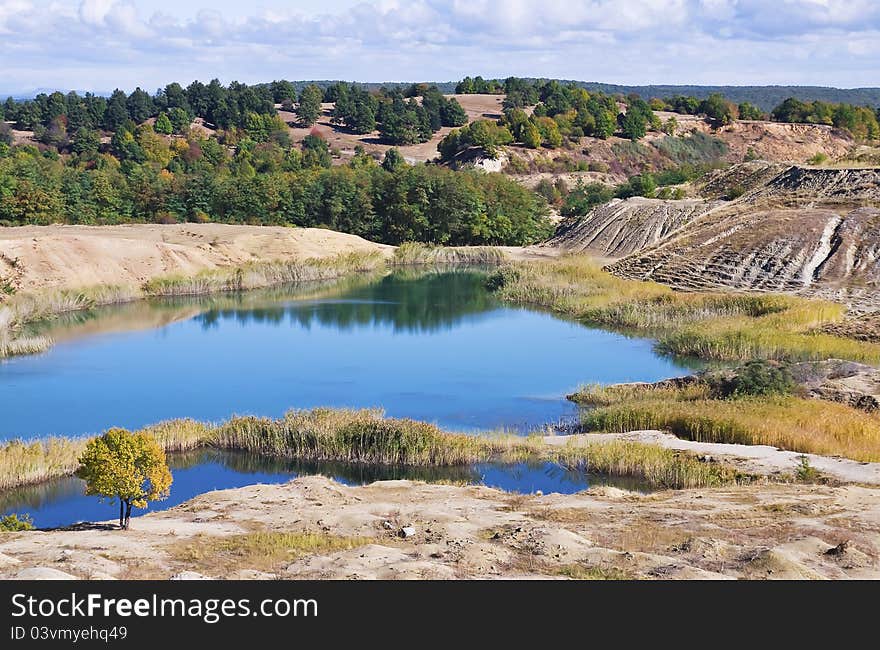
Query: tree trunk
{"x": 121, "y": 514}
{"x": 127, "y": 515}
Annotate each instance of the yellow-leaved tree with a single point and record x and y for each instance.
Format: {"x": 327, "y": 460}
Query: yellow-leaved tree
{"x": 127, "y": 466}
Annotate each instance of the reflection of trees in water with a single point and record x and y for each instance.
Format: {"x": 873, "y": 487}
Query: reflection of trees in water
{"x": 28, "y": 497}
{"x": 356, "y": 473}
{"x": 421, "y": 303}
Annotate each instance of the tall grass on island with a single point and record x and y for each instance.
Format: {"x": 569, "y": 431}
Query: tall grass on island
{"x": 20, "y": 309}
{"x": 692, "y": 412}
{"x": 366, "y": 436}
{"x": 718, "y": 326}
{"x": 416, "y": 254}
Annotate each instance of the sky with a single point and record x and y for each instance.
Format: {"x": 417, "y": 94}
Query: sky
{"x": 99, "y": 45}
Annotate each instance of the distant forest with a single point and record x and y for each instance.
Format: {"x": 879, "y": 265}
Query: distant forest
{"x": 764, "y": 97}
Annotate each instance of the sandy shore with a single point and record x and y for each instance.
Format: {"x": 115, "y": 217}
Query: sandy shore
{"x": 757, "y": 531}
{"x": 39, "y": 257}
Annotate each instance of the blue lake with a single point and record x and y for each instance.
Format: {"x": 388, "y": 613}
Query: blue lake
{"x": 431, "y": 346}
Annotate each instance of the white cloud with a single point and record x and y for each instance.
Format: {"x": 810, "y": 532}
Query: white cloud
{"x": 103, "y": 43}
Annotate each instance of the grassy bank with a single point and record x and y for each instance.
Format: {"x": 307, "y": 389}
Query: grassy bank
{"x": 785, "y": 421}
{"x": 707, "y": 325}
{"x": 366, "y": 436}
{"x": 23, "y": 308}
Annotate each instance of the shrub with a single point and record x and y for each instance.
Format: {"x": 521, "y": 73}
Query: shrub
{"x": 16, "y": 523}
{"x": 757, "y": 378}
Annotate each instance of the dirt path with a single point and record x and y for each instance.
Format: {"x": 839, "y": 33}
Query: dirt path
{"x": 757, "y": 531}
{"x": 39, "y": 257}
{"x": 754, "y": 459}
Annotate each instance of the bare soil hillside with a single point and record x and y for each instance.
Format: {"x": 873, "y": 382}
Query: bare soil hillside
{"x": 807, "y": 230}
{"x": 621, "y": 227}
{"x": 37, "y": 257}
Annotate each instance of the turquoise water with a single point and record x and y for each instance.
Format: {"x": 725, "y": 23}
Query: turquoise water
{"x": 435, "y": 347}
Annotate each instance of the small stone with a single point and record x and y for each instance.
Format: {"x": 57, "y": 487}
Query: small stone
{"x": 387, "y": 525}
{"x": 407, "y": 531}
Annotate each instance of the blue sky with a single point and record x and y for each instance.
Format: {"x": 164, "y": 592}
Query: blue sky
{"x": 101, "y": 44}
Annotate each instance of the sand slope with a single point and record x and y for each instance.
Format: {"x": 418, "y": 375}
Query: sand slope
{"x": 37, "y": 257}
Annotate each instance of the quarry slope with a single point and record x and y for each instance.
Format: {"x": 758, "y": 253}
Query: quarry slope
{"x": 621, "y": 227}
{"x": 804, "y": 230}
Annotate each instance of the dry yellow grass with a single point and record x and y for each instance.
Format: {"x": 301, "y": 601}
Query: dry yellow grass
{"x": 259, "y": 551}
{"x": 787, "y": 422}
{"x": 734, "y": 326}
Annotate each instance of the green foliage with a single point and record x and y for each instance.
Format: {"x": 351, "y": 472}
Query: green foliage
{"x": 393, "y": 161}
{"x": 748, "y": 111}
{"x": 308, "y": 109}
{"x": 479, "y": 86}
{"x": 639, "y": 185}
{"x": 584, "y": 198}
{"x": 154, "y": 179}
{"x": 754, "y": 379}
{"x": 860, "y": 121}
{"x": 485, "y": 134}
{"x": 693, "y": 149}
{"x": 14, "y": 523}
{"x": 717, "y": 109}
{"x": 163, "y": 124}
{"x": 128, "y": 467}
{"x": 805, "y": 472}
{"x": 639, "y": 116}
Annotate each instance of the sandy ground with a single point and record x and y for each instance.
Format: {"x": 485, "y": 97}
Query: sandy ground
{"x": 38, "y": 257}
{"x": 757, "y": 531}
{"x": 762, "y": 460}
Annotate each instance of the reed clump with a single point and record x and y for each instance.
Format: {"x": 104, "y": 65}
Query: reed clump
{"x": 727, "y": 327}
{"x": 417, "y": 254}
{"x": 26, "y": 463}
{"x": 355, "y": 436}
{"x": 789, "y": 422}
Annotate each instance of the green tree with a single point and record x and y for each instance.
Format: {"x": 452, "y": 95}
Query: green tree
{"x": 117, "y": 112}
{"x": 163, "y": 124}
{"x": 316, "y": 152}
{"x": 531, "y": 136}
{"x": 633, "y": 125}
{"x": 309, "y": 108}
{"x": 393, "y": 161}
{"x": 86, "y": 142}
{"x": 180, "y": 120}
{"x": 126, "y": 467}
{"x": 717, "y": 109}
{"x": 452, "y": 114}
{"x": 748, "y": 111}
